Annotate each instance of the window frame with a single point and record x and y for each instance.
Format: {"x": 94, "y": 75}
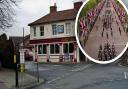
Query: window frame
{"x": 54, "y": 29}
{"x": 42, "y": 52}
{"x": 68, "y": 50}
{"x": 34, "y": 31}
{"x": 54, "y": 49}
{"x": 41, "y": 30}
{"x": 68, "y": 29}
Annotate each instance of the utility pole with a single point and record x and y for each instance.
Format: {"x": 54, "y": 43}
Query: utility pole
{"x": 16, "y": 65}
{"x": 23, "y": 37}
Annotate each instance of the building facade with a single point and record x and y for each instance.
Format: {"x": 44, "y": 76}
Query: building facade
{"x": 53, "y": 36}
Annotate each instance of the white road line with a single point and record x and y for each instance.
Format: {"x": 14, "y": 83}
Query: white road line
{"x": 81, "y": 68}
{"x": 125, "y": 75}
{"x": 75, "y": 70}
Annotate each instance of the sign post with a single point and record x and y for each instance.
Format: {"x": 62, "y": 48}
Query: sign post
{"x": 16, "y": 65}
{"x": 22, "y": 60}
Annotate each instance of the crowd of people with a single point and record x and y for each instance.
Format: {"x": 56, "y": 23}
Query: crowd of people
{"x": 106, "y": 52}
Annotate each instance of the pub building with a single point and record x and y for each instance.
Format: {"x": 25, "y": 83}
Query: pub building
{"x": 53, "y": 36}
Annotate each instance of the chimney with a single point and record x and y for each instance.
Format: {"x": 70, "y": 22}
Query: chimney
{"x": 53, "y": 9}
{"x": 77, "y": 5}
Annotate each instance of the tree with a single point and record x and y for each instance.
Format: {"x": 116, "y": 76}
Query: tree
{"x": 3, "y": 37}
{"x": 7, "y": 13}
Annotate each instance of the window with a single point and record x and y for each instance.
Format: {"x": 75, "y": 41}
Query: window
{"x": 68, "y": 28}
{"x": 60, "y": 29}
{"x": 54, "y": 32}
{"x": 42, "y": 49}
{"x": 54, "y": 49}
{"x": 57, "y": 29}
{"x": 42, "y": 31}
{"x": 34, "y": 31}
{"x": 68, "y": 48}
{"x": 65, "y": 48}
{"x": 71, "y": 47}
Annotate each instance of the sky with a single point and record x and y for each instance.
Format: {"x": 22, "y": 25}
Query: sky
{"x": 31, "y": 10}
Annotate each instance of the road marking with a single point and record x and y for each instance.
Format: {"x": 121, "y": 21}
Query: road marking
{"x": 81, "y": 68}
{"x": 125, "y": 75}
{"x": 47, "y": 88}
{"x": 75, "y": 70}
{"x": 53, "y": 80}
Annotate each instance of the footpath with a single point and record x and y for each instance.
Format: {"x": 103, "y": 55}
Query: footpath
{"x": 7, "y": 80}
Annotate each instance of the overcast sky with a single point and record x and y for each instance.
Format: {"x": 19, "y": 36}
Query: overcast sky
{"x": 31, "y": 10}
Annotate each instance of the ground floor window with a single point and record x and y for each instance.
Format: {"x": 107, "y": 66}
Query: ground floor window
{"x": 42, "y": 49}
{"x": 54, "y": 49}
{"x": 68, "y": 48}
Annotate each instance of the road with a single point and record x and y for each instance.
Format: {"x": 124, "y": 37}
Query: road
{"x": 95, "y": 38}
{"x": 83, "y": 76}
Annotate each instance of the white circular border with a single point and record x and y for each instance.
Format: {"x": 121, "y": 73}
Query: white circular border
{"x": 90, "y": 58}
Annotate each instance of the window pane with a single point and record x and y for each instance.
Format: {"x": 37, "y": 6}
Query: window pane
{"x": 68, "y": 28}
{"x": 60, "y": 29}
{"x": 65, "y": 48}
{"x": 54, "y": 29}
{"x": 52, "y": 49}
{"x": 71, "y": 48}
{"x": 44, "y": 49}
{"x": 34, "y": 31}
{"x": 56, "y": 48}
{"x": 40, "y": 49}
{"x": 42, "y": 31}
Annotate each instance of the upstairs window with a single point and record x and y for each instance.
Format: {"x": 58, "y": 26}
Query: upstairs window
{"x": 68, "y": 28}
{"x": 60, "y": 29}
{"x": 54, "y": 32}
{"x": 57, "y": 29}
{"x": 42, "y": 31}
{"x": 34, "y": 31}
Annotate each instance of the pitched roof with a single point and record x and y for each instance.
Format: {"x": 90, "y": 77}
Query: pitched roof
{"x": 69, "y": 14}
{"x": 16, "y": 39}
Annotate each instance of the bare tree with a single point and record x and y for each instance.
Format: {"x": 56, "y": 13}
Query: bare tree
{"x": 7, "y": 13}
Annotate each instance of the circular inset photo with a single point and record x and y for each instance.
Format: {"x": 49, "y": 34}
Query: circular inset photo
{"x": 102, "y": 30}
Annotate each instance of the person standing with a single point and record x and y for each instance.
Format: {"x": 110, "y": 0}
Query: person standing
{"x": 111, "y": 33}
{"x": 102, "y": 34}
{"x": 107, "y": 35}
{"x": 119, "y": 30}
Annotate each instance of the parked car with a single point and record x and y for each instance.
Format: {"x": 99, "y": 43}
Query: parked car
{"x": 28, "y": 55}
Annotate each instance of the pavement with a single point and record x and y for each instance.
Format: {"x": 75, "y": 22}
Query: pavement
{"x": 95, "y": 38}
{"x": 7, "y": 80}
{"x": 83, "y": 76}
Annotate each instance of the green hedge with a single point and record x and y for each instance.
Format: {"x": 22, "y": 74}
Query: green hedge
{"x": 89, "y": 5}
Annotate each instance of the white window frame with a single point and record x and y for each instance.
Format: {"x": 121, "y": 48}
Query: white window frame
{"x": 42, "y": 30}
{"x": 68, "y": 29}
{"x": 34, "y": 31}
{"x": 54, "y": 49}
{"x": 68, "y": 47}
{"x": 42, "y": 48}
